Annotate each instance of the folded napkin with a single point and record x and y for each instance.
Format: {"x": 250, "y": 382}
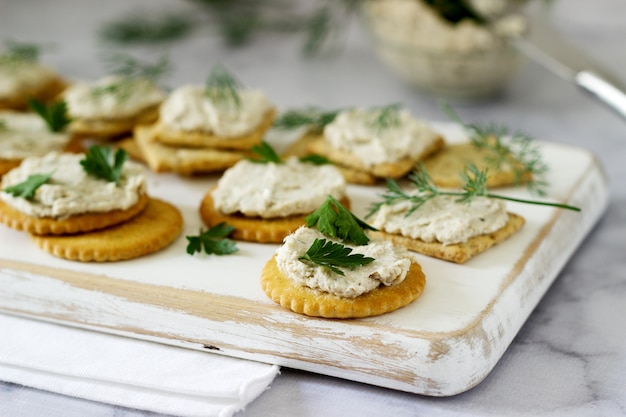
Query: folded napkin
{"x": 127, "y": 372}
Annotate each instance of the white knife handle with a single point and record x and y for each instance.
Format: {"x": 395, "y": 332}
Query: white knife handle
{"x": 607, "y": 92}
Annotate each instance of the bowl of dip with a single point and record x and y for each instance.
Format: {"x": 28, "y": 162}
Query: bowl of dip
{"x": 461, "y": 59}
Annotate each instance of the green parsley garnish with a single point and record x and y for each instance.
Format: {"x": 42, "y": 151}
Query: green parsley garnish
{"x": 26, "y": 189}
{"x": 334, "y": 220}
{"x": 102, "y": 163}
{"x": 475, "y": 182}
{"x": 316, "y": 159}
{"x": 517, "y": 151}
{"x": 213, "y": 241}
{"x": 266, "y": 153}
{"x": 55, "y": 114}
{"x": 312, "y": 117}
{"x": 331, "y": 255}
{"x": 222, "y": 89}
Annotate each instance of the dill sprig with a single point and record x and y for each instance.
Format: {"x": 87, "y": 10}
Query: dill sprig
{"x": 314, "y": 118}
{"x": 385, "y": 117}
{"x": 19, "y": 53}
{"x": 139, "y": 28}
{"x": 332, "y": 255}
{"x": 222, "y": 89}
{"x": 475, "y": 185}
{"x": 131, "y": 70}
{"x": 516, "y": 151}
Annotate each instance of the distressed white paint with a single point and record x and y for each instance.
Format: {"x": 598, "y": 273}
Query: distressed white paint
{"x": 444, "y": 343}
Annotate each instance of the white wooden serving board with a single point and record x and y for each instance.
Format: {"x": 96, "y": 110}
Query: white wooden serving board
{"x": 444, "y": 343}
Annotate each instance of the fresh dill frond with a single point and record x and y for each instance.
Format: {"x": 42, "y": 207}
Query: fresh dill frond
{"x": 131, "y": 71}
{"x": 334, "y": 220}
{"x": 21, "y": 51}
{"x": 314, "y": 118}
{"x": 475, "y": 185}
{"x": 222, "y": 89}
{"x": 333, "y": 256}
{"x": 516, "y": 151}
{"x": 385, "y": 117}
{"x": 143, "y": 29}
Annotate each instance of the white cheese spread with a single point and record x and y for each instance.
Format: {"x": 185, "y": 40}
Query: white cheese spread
{"x": 112, "y": 97}
{"x": 71, "y": 190}
{"x": 354, "y": 131}
{"x": 189, "y": 109}
{"x": 26, "y": 134}
{"x": 19, "y": 77}
{"x": 442, "y": 219}
{"x": 390, "y": 266}
{"x": 272, "y": 190}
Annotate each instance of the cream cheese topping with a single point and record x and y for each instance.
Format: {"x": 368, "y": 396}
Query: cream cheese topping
{"x": 390, "y": 266}
{"x": 112, "y": 97}
{"x": 272, "y": 190}
{"x": 71, "y": 190}
{"x": 188, "y": 109}
{"x": 23, "y": 76}
{"x": 353, "y": 131}
{"x": 26, "y": 134}
{"x": 442, "y": 219}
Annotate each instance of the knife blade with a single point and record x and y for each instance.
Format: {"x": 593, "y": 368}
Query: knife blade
{"x": 543, "y": 44}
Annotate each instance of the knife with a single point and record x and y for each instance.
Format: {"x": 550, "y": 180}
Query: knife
{"x": 547, "y": 47}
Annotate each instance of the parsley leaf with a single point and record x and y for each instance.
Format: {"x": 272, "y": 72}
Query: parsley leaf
{"x": 55, "y": 114}
{"x": 334, "y": 220}
{"x": 26, "y": 189}
{"x": 315, "y": 159}
{"x": 213, "y": 241}
{"x": 102, "y": 163}
{"x": 333, "y": 255}
{"x": 266, "y": 152}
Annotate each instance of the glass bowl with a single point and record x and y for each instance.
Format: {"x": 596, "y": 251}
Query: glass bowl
{"x": 457, "y": 61}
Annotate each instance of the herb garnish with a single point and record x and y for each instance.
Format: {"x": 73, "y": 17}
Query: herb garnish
{"x": 334, "y": 220}
{"x": 385, "y": 117}
{"x": 331, "y": 255}
{"x": 213, "y": 241}
{"x": 222, "y": 89}
{"x": 312, "y": 117}
{"x": 102, "y": 163}
{"x": 475, "y": 185}
{"x": 27, "y": 188}
{"x": 131, "y": 70}
{"x": 315, "y": 159}
{"x": 139, "y": 28}
{"x": 55, "y": 114}
{"x": 517, "y": 151}
{"x": 19, "y": 52}
{"x": 3, "y": 126}
{"x": 266, "y": 153}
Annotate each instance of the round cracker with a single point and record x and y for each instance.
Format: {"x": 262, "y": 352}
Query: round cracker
{"x": 73, "y": 224}
{"x": 304, "y": 300}
{"x": 153, "y": 229}
{"x": 254, "y": 229}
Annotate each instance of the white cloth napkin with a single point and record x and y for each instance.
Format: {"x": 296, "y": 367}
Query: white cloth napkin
{"x": 127, "y": 372}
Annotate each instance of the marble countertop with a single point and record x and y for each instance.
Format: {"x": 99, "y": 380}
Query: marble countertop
{"x": 570, "y": 356}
